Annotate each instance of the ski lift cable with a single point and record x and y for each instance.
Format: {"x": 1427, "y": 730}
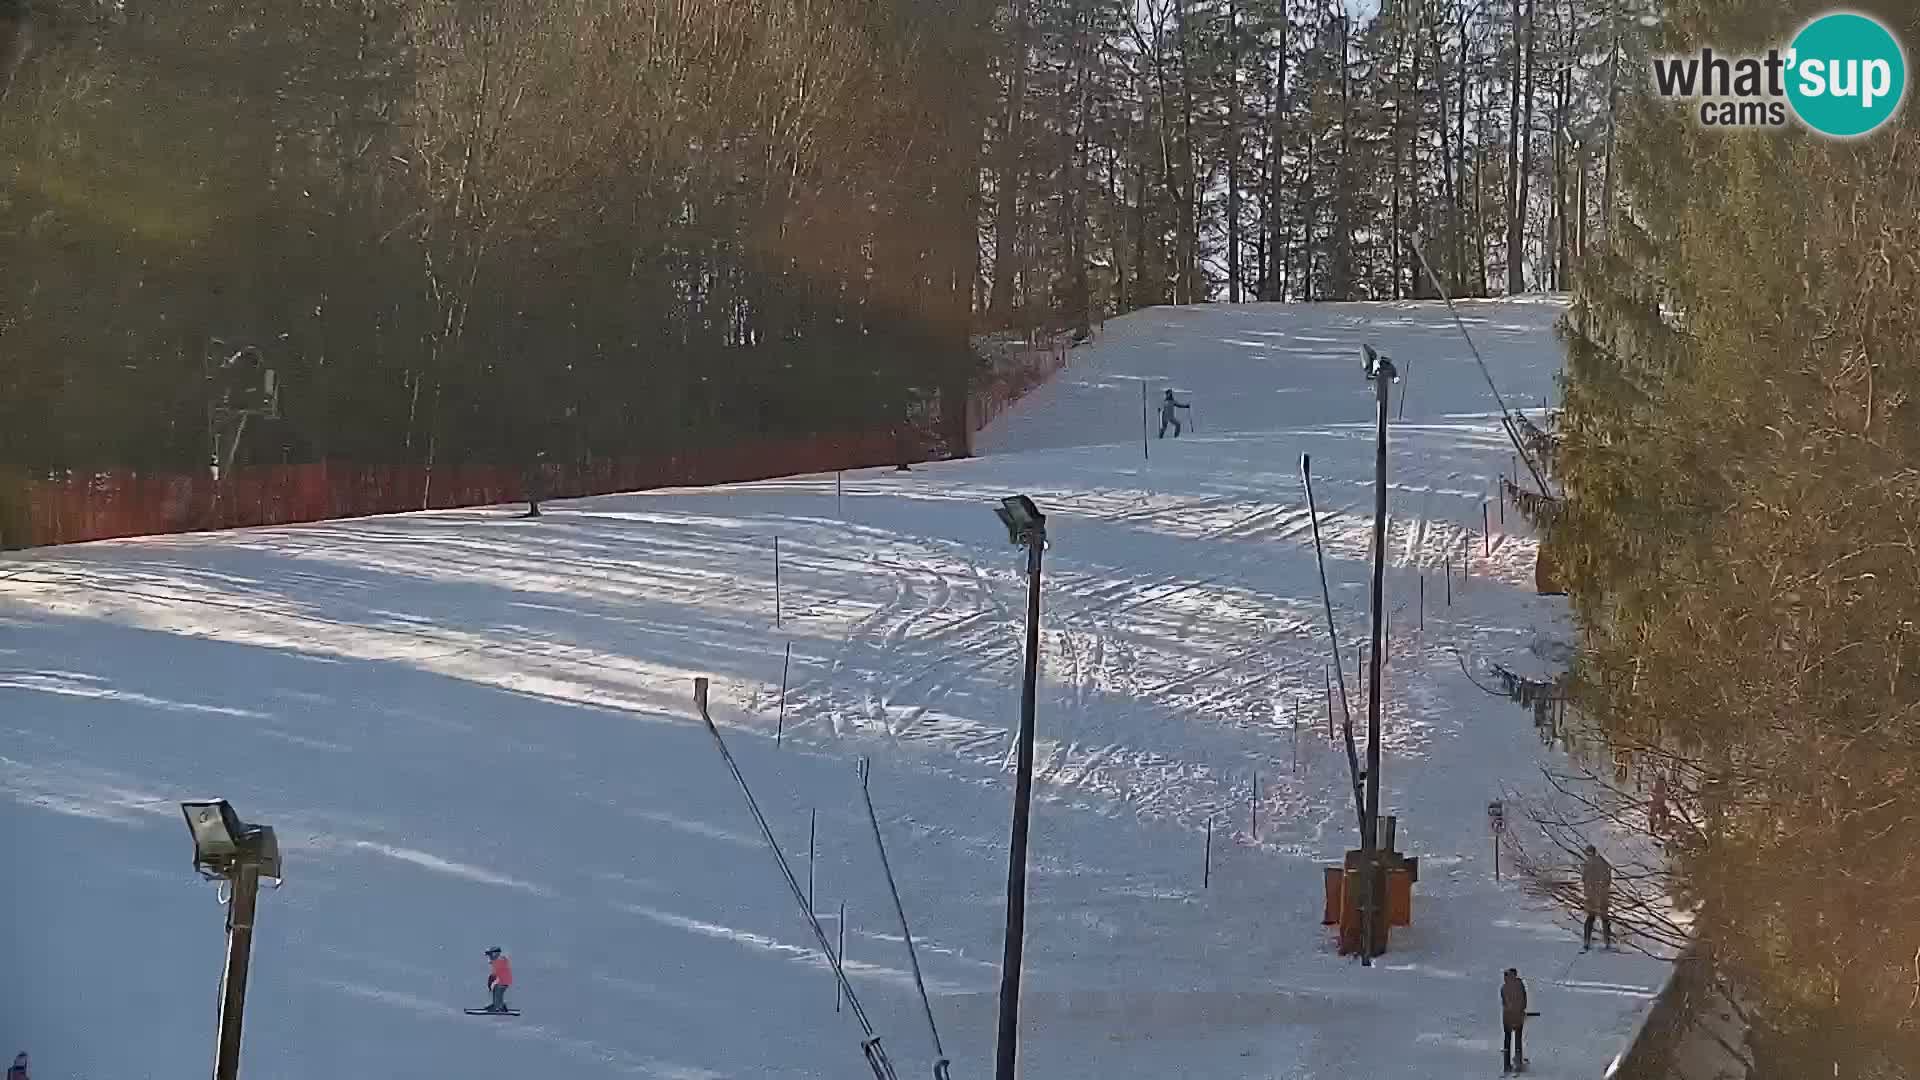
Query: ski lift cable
{"x": 1506, "y": 414}
{"x": 870, "y": 1046}
{"x": 1333, "y": 635}
{"x": 913, "y": 956}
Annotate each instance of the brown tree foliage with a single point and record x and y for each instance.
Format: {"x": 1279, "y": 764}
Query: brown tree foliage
{"x": 478, "y": 230}
{"x": 1742, "y": 458}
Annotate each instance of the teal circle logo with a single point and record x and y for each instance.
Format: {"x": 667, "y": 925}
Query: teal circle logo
{"x": 1846, "y": 74}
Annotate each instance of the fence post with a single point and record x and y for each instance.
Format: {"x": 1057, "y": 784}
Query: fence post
{"x": 1206, "y": 871}
{"x": 1328, "y": 677}
{"x": 843, "y": 955}
{"x": 776, "y": 581}
{"x": 780, "y": 730}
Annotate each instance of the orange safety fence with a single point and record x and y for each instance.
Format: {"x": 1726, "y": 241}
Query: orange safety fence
{"x": 70, "y": 506}
{"x": 1020, "y": 373}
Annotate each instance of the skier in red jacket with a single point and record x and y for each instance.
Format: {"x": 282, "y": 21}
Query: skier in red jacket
{"x": 499, "y": 977}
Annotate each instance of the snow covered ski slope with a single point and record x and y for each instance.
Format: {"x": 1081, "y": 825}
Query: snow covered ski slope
{"x": 471, "y": 729}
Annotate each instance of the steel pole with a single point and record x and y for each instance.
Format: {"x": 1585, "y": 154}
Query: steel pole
{"x": 1006, "y": 1050}
{"x": 233, "y": 983}
{"x": 1370, "y": 836}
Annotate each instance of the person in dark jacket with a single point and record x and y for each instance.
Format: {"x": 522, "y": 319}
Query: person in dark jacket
{"x": 1596, "y": 879}
{"x": 534, "y": 479}
{"x": 1167, "y": 417}
{"x": 1513, "y": 1023}
{"x": 19, "y": 1069}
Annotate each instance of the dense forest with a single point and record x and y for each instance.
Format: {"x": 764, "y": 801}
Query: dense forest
{"x": 1741, "y": 460}
{"x": 480, "y": 231}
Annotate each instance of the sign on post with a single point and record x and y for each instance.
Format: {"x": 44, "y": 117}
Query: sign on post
{"x": 1497, "y": 824}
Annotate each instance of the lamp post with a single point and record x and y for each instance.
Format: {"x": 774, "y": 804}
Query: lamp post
{"x": 1380, "y": 371}
{"x": 1026, "y": 526}
{"x": 228, "y": 849}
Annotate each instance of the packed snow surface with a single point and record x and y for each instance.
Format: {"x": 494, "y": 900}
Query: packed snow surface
{"x": 471, "y": 729}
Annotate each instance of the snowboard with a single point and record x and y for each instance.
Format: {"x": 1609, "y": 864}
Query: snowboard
{"x": 491, "y": 1012}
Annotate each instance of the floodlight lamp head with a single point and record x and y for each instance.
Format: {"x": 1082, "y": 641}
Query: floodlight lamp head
{"x": 1377, "y": 366}
{"x": 1024, "y": 521}
{"x": 221, "y": 840}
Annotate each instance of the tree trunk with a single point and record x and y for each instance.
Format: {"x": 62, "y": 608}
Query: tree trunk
{"x": 1450, "y": 188}
{"x": 1410, "y": 105}
{"x": 1309, "y": 214}
{"x": 1557, "y": 182}
{"x": 1276, "y": 247}
{"x": 1007, "y": 176}
{"x": 1613, "y": 126}
{"x": 1526, "y": 131}
{"x": 1460, "y": 140}
{"x": 1341, "y": 270}
{"x": 1080, "y": 298}
{"x": 1189, "y": 215}
{"x": 1233, "y": 151}
{"x": 1516, "y": 279}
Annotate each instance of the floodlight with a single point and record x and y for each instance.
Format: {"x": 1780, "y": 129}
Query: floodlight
{"x": 218, "y": 832}
{"x": 1376, "y": 365}
{"x": 221, "y": 840}
{"x": 1023, "y": 520}
{"x": 229, "y": 850}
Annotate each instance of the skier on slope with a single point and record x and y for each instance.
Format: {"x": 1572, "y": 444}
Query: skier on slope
{"x": 499, "y": 977}
{"x": 1513, "y": 1023}
{"x": 19, "y": 1069}
{"x": 1167, "y": 417}
{"x": 1596, "y": 878}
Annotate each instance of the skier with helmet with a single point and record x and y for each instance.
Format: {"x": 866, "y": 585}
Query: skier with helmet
{"x": 1168, "y": 419}
{"x": 499, "y": 977}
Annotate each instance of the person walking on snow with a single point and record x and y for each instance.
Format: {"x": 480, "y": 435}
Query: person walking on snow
{"x": 19, "y": 1069}
{"x": 1167, "y": 418}
{"x": 1596, "y": 876}
{"x": 499, "y": 977}
{"x": 1513, "y": 1023}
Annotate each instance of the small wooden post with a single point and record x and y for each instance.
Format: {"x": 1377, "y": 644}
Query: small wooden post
{"x": 1206, "y": 871}
{"x": 780, "y": 729}
{"x": 1324, "y": 674}
{"x": 1145, "y": 425}
{"x": 843, "y": 955}
{"x": 1359, "y": 672}
{"x": 1423, "y": 601}
{"x": 812, "y": 819}
{"x": 776, "y": 581}
{"x": 1449, "y": 581}
{"x": 839, "y": 479}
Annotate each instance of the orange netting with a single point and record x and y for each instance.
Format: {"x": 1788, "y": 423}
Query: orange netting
{"x": 74, "y": 506}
